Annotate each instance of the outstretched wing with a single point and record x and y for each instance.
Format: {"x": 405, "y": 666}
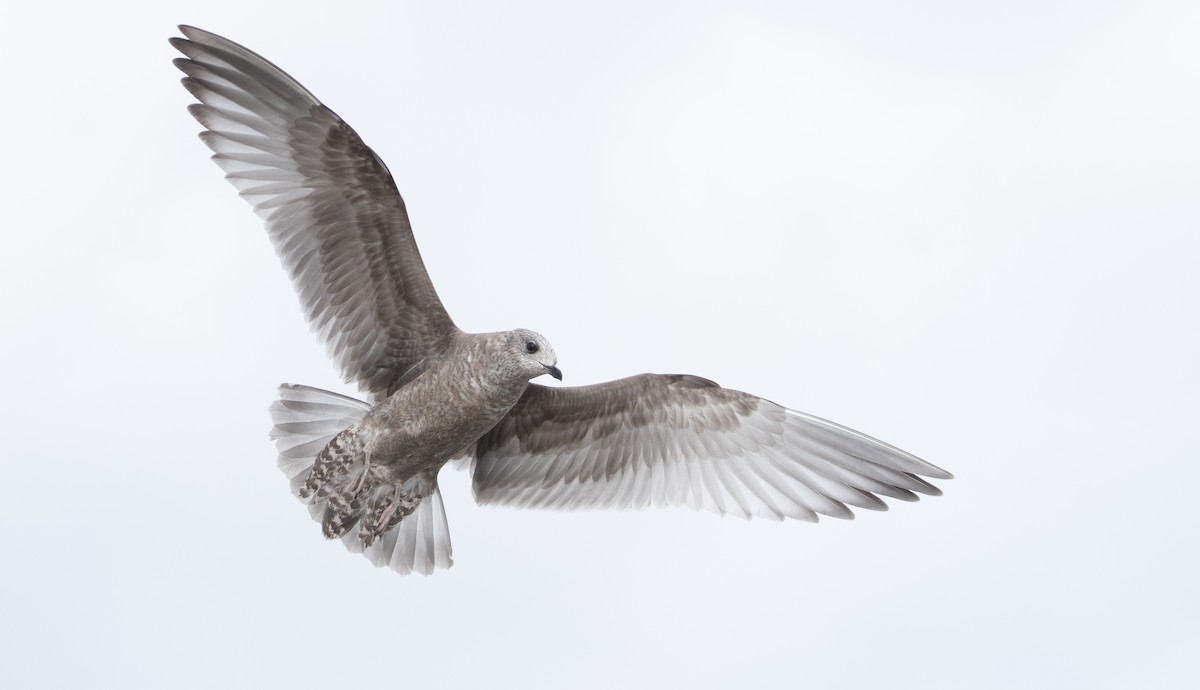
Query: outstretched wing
{"x": 331, "y": 208}
{"x": 655, "y": 440}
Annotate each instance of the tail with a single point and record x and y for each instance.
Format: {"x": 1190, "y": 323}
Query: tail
{"x": 305, "y": 421}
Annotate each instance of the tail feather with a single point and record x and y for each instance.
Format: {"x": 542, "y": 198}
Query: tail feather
{"x": 419, "y": 544}
{"x": 305, "y": 421}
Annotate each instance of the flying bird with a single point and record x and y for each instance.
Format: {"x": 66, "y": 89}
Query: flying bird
{"x": 368, "y": 470}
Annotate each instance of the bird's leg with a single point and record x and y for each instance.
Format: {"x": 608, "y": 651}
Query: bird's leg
{"x": 388, "y": 512}
{"x": 361, "y": 479}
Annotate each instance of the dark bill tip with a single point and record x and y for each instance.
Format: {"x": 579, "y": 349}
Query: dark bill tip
{"x": 555, "y": 372}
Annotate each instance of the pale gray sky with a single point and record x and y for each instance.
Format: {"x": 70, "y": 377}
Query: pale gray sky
{"x": 968, "y": 229}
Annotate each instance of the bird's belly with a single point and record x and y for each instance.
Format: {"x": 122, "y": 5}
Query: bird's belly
{"x": 413, "y": 433}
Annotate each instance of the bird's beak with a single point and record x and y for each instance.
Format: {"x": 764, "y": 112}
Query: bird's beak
{"x": 555, "y": 372}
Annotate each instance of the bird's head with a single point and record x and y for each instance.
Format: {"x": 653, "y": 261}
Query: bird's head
{"x": 534, "y": 353}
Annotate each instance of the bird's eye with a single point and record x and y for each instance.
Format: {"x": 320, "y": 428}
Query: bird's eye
{"x": 531, "y": 347}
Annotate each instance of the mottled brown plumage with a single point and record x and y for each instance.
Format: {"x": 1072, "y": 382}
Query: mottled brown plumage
{"x": 368, "y": 470}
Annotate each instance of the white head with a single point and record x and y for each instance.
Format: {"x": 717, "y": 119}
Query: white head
{"x": 533, "y": 353}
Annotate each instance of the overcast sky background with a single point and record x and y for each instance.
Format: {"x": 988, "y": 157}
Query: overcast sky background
{"x": 968, "y": 229}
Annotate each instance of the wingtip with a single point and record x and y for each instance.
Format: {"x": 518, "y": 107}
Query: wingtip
{"x": 923, "y": 486}
{"x": 189, "y": 30}
{"x": 939, "y": 474}
{"x": 924, "y": 468}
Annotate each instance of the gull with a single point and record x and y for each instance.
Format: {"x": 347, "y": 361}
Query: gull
{"x": 367, "y": 470}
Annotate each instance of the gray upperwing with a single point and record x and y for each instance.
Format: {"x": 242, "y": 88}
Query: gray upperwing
{"x": 666, "y": 440}
{"x": 332, "y": 210}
